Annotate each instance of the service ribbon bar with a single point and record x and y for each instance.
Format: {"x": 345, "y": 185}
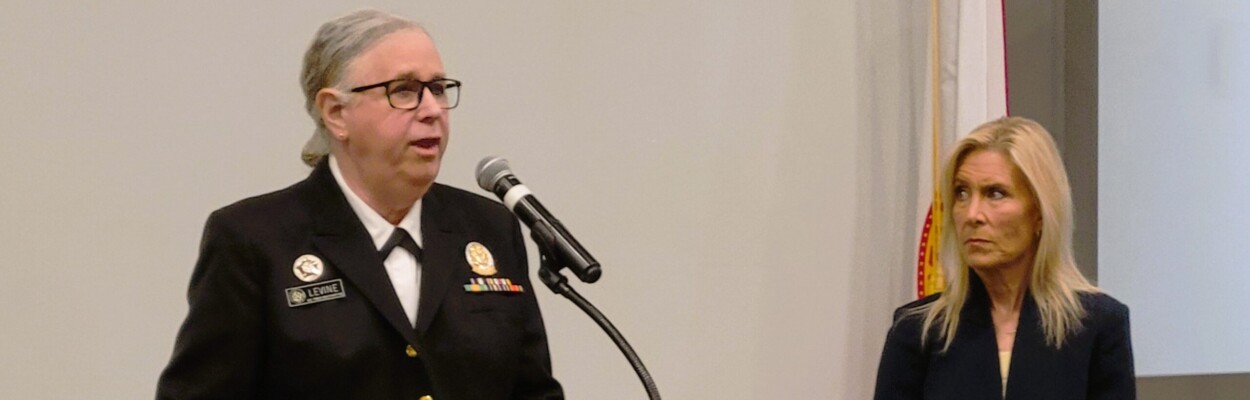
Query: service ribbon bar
{"x": 503, "y": 285}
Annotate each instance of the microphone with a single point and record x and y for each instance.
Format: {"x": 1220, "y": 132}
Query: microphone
{"x": 494, "y": 175}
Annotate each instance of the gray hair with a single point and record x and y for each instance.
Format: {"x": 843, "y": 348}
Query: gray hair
{"x": 332, "y": 51}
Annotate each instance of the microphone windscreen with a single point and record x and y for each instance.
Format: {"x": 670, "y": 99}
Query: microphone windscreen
{"x": 490, "y": 170}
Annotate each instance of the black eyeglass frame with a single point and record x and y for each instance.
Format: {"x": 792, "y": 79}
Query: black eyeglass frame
{"x": 447, "y": 84}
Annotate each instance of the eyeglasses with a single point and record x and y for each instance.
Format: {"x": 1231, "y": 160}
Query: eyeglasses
{"x": 406, "y": 94}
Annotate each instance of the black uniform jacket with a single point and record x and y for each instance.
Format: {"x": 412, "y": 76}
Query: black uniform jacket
{"x": 243, "y": 339}
{"x": 1094, "y": 363}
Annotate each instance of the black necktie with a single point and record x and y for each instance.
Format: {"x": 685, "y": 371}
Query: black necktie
{"x": 400, "y": 238}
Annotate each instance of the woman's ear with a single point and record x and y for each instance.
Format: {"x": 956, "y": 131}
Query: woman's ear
{"x": 330, "y": 103}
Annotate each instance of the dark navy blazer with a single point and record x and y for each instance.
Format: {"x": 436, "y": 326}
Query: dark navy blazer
{"x": 1094, "y": 363}
{"x": 243, "y": 340}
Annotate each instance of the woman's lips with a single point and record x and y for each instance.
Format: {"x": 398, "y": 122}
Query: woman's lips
{"x": 427, "y": 143}
{"x": 428, "y": 147}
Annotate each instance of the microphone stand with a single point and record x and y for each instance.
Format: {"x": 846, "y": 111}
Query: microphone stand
{"x": 549, "y": 273}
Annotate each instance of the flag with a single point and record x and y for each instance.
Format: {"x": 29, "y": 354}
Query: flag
{"x": 966, "y": 86}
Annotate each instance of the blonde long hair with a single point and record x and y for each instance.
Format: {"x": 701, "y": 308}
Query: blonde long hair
{"x": 1055, "y": 283}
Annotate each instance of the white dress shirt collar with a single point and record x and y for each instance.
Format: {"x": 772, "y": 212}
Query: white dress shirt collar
{"x": 379, "y": 228}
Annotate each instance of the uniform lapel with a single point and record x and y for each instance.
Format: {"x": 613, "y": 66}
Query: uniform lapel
{"x": 1030, "y": 345}
{"x": 342, "y": 238}
{"x": 443, "y": 262}
{"x": 984, "y": 341}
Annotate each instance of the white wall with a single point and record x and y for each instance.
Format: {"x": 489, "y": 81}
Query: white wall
{"x": 706, "y": 154}
{"x": 1174, "y": 177}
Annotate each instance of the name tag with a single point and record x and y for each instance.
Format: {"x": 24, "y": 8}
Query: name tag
{"x": 315, "y": 293}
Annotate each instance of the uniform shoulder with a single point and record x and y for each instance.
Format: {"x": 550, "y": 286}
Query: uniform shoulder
{"x": 1101, "y": 302}
{"x": 912, "y": 309}
{"x": 263, "y": 203}
{"x": 919, "y": 303}
{"x": 1100, "y": 306}
{"x": 906, "y": 327}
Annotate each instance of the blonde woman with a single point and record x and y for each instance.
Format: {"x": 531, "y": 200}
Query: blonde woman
{"x": 1017, "y": 319}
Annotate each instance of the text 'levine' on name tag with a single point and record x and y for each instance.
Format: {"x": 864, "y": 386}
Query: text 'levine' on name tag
{"x": 315, "y": 293}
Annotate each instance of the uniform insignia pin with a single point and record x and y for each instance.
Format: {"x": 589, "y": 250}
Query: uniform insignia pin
{"x": 298, "y": 297}
{"x": 308, "y": 268}
{"x": 480, "y": 259}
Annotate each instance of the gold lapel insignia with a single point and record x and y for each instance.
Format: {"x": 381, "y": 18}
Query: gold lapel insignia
{"x": 308, "y": 268}
{"x": 480, "y": 259}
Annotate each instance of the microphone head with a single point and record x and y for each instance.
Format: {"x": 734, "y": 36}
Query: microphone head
{"x": 490, "y": 170}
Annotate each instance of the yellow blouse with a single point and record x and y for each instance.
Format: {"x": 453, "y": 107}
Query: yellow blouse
{"x": 1004, "y": 364}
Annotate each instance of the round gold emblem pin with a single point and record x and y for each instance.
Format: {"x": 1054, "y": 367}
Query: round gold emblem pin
{"x": 480, "y": 259}
{"x": 308, "y": 268}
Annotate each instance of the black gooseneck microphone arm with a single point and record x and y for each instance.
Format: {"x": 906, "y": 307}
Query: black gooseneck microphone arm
{"x": 550, "y": 274}
{"x": 557, "y": 250}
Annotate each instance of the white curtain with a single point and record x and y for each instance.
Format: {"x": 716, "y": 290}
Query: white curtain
{"x": 892, "y": 98}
